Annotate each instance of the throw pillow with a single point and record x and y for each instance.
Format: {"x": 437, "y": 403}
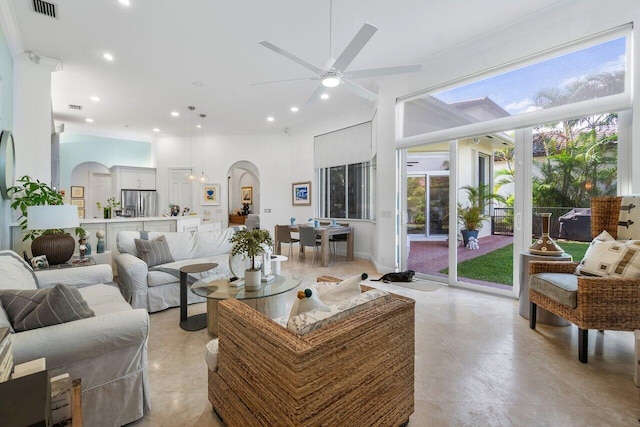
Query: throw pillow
{"x": 332, "y": 293}
{"x": 307, "y": 300}
{"x": 609, "y": 257}
{"x": 37, "y": 308}
{"x": 154, "y": 252}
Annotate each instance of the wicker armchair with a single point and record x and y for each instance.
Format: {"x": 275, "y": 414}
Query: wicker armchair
{"x": 357, "y": 371}
{"x": 601, "y": 302}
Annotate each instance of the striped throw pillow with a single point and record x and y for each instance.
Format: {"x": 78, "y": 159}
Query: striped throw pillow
{"x": 154, "y": 252}
{"x": 36, "y": 308}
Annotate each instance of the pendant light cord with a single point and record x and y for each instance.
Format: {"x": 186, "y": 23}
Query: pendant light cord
{"x": 330, "y": 28}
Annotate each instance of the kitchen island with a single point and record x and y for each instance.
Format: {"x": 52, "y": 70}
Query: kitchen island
{"x": 111, "y": 227}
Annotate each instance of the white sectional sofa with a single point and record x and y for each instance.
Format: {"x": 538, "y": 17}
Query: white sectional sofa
{"x": 158, "y": 287}
{"x": 107, "y": 352}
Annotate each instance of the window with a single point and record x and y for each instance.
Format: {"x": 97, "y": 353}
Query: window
{"x": 345, "y": 191}
{"x": 484, "y": 177}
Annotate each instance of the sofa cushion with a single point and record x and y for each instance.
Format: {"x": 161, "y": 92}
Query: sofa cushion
{"x": 15, "y": 273}
{"x": 32, "y": 309}
{"x": 211, "y": 243}
{"x": 608, "y": 257}
{"x": 154, "y": 252}
{"x": 317, "y": 318}
{"x": 332, "y": 293}
{"x": 629, "y": 219}
{"x": 560, "y": 287}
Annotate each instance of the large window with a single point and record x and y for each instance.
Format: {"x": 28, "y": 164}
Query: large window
{"x": 345, "y": 191}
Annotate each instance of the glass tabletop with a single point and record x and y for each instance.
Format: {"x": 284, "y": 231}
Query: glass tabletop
{"x": 220, "y": 289}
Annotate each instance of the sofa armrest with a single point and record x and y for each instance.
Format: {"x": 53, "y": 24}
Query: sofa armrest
{"x": 83, "y": 339}
{"x": 536, "y": 267}
{"x": 132, "y": 278}
{"x": 78, "y": 276}
{"x": 617, "y": 299}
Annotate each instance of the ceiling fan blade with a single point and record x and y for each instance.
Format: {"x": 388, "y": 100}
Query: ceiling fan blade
{"x": 384, "y": 71}
{"x": 354, "y": 47}
{"x": 292, "y": 57}
{"x": 315, "y": 95}
{"x": 285, "y": 80}
{"x": 359, "y": 90}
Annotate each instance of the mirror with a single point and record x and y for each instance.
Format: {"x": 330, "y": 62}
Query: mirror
{"x": 7, "y": 163}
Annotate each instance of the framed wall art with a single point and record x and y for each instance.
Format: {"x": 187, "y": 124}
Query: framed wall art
{"x": 301, "y": 193}
{"x": 210, "y": 194}
{"x": 77, "y": 192}
{"x": 78, "y": 202}
{"x": 81, "y": 213}
{"x": 247, "y": 195}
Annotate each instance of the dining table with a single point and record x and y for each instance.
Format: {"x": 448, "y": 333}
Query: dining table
{"x": 325, "y": 232}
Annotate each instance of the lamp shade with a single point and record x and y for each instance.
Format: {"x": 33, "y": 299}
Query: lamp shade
{"x": 47, "y": 217}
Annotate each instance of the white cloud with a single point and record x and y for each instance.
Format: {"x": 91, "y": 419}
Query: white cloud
{"x": 520, "y": 106}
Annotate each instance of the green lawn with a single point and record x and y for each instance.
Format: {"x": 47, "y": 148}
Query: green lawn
{"x": 497, "y": 266}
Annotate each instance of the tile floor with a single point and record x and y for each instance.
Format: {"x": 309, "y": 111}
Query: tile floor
{"x": 477, "y": 363}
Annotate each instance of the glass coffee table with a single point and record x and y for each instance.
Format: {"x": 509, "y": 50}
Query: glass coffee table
{"x": 269, "y": 299}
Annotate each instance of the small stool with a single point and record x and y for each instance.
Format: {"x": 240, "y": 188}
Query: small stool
{"x": 276, "y": 261}
{"x": 198, "y": 321}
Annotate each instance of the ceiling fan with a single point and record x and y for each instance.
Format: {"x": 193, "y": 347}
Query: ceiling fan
{"x": 334, "y": 71}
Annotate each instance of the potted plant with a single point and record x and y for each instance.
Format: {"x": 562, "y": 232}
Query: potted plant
{"x": 108, "y": 209}
{"x": 32, "y": 192}
{"x": 472, "y": 215}
{"x": 251, "y": 243}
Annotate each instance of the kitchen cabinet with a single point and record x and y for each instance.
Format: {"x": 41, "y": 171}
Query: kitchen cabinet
{"x": 131, "y": 178}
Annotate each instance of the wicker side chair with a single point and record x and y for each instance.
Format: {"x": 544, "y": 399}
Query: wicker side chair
{"x": 601, "y": 303}
{"x": 357, "y": 371}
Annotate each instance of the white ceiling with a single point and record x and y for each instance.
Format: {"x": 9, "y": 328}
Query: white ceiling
{"x": 162, "y": 46}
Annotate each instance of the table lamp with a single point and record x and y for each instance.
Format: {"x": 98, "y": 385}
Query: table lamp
{"x": 56, "y": 245}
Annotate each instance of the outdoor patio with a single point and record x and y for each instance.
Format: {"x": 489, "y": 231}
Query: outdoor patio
{"x": 430, "y": 257}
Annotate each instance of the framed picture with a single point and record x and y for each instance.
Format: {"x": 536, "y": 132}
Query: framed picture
{"x": 247, "y": 195}
{"x": 81, "y": 213}
{"x": 78, "y": 202}
{"x": 301, "y": 193}
{"x": 77, "y": 192}
{"x": 210, "y": 194}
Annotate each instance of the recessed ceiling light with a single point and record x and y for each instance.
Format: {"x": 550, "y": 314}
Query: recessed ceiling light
{"x": 270, "y": 119}
{"x": 156, "y": 130}
{"x": 108, "y": 56}
{"x": 125, "y": 2}
{"x": 199, "y": 126}
{"x": 175, "y": 113}
{"x": 324, "y": 96}
{"x": 95, "y": 98}
{"x": 294, "y": 109}
{"x": 88, "y": 120}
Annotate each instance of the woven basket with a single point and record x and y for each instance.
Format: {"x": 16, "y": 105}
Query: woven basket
{"x": 605, "y": 213}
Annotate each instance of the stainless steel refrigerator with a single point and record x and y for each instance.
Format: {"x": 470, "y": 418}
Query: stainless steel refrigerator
{"x": 139, "y": 203}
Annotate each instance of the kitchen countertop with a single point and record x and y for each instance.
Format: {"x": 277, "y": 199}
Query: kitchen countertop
{"x": 132, "y": 219}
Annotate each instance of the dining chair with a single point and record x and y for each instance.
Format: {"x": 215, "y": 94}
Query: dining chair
{"x": 336, "y": 238}
{"x": 283, "y": 235}
{"x": 308, "y": 238}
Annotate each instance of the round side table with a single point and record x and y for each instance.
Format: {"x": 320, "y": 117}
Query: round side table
{"x": 198, "y": 321}
{"x": 542, "y": 316}
{"x": 276, "y": 261}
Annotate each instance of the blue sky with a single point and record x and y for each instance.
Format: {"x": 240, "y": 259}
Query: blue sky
{"x": 515, "y": 90}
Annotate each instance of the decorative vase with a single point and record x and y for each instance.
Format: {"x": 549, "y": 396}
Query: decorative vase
{"x": 545, "y": 245}
{"x": 466, "y": 234}
{"x": 107, "y": 213}
{"x": 100, "y": 245}
{"x": 252, "y": 280}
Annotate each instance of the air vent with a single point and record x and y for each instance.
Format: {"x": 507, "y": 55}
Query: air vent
{"x": 45, "y": 8}
{"x": 75, "y": 107}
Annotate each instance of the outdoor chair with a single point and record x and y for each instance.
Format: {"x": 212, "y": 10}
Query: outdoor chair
{"x": 589, "y": 302}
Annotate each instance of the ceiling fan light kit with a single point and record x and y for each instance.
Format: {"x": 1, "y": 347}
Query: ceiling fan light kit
{"x": 333, "y": 73}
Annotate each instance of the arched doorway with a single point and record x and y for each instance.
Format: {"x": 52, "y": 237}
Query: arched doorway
{"x": 96, "y": 180}
{"x": 243, "y": 186}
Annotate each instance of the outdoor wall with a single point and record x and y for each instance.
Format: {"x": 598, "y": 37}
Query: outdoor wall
{"x": 6, "y": 123}
{"x": 77, "y": 148}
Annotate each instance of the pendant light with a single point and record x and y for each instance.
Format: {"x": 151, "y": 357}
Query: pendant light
{"x": 203, "y": 177}
{"x": 190, "y": 176}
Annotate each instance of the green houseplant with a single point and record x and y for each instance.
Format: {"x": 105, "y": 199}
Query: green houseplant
{"x": 472, "y": 215}
{"x": 107, "y": 209}
{"x": 251, "y": 243}
{"x": 56, "y": 244}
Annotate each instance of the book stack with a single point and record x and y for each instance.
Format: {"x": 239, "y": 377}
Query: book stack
{"x": 6, "y": 354}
